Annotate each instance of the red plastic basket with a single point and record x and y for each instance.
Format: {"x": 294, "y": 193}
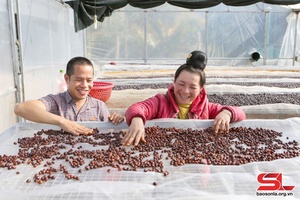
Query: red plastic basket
{"x": 102, "y": 90}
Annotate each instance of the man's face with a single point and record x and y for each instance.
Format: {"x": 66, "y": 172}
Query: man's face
{"x": 81, "y": 82}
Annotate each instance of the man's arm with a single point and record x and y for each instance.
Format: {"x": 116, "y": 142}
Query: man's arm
{"x": 35, "y": 110}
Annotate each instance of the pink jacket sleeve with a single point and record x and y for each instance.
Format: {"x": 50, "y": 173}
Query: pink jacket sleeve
{"x": 146, "y": 109}
{"x": 237, "y": 114}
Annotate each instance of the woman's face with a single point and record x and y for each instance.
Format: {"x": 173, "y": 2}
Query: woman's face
{"x": 81, "y": 82}
{"x": 187, "y": 87}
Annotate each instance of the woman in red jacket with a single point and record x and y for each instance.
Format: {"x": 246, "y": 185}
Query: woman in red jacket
{"x": 186, "y": 98}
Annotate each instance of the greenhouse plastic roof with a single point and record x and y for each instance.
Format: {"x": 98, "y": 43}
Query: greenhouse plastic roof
{"x": 86, "y": 10}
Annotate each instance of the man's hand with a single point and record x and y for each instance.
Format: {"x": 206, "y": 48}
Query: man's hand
{"x": 74, "y": 128}
{"x": 116, "y": 118}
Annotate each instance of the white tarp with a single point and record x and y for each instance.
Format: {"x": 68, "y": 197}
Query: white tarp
{"x": 191, "y": 181}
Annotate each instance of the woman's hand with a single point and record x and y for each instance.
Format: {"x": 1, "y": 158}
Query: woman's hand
{"x": 221, "y": 122}
{"x": 116, "y": 118}
{"x": 135, "y": 133}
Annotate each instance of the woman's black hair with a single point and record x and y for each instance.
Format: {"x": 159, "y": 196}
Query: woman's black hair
{"x": 195, "y": 63}
{"x": 198, "y": 59}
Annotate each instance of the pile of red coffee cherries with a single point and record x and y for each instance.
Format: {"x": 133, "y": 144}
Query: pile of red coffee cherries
{"x": 57, "y": 151}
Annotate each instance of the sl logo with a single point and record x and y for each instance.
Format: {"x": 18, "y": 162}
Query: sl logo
{"x": 271, "y": 182}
